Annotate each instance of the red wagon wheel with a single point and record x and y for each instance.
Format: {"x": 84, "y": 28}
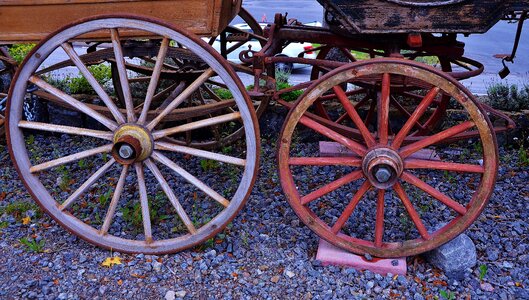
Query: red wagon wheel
{"x": 390, "y": 194}
{"x": 127, "y": 187}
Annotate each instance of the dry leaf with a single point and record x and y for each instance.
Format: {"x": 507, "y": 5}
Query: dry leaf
{"x": 110, "y": 261}
{"x": 120, "y": 282}
{"x": 3, "y": 196}
{"x": 26, "y": 220}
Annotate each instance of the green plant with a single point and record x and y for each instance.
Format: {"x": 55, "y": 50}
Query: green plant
{"x": 18, "y": 209}
{"x": 103, "y": 198}
{"x": 223, "y": 94}
{"x": 208, "y": 164}
{"x": 448, "y": 295}
{"x": 82, "y": 164}
{"x": 19, "y": 51}
{"x": 30, "y": 140}
{"x": 79, "y": 85}
{"x": 132, "y": 214}
{"x": 482, "y": 272}
{"x": 33, "y": 245}
{"x": 3, "y": 224}
{"x": 508, "y": 97}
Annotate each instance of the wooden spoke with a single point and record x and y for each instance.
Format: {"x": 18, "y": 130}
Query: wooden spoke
{"x": 370, "y": 112}
{"x": 200, "y": 153}
{"x": 153, "y": 84}
{"x": 69, "y": 100}
{"x": 414, "y": 118}
{"x": 325, "y": 161}
{"x": 352, "y": 145}
{"x": 379, "y": 223}
{"x": 144, "y": 202}
{"x": 383, "y": 110}
{"x": 70, "y": 158}
{"x": 184, "y": 95}
{"x": 355, "y": 175}
{"x": 349, "y": 209}
{"x": 411, "y": 163}
{"x": 353, "y": 114}
{"x": 196, "y": 125}
{"x": 411, "y": 211}
{"x": 105, "y": 135}
{"x": 172, "y": 197}
{"x": 122, "y": 72}
{"x": 410, "y": 178}
{"x": 87, "y": 184}
{"x": 114, "y": 202}
{"x": 190, "y": 178}
{"x": 430, "y": 140}
{"x": 93, "y": 82}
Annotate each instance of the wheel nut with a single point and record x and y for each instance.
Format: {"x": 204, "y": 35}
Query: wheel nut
{"x": 126, "y": 151}
{"x": 383, "y": 175}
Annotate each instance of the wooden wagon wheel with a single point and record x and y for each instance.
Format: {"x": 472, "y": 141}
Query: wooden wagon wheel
{"x": 7, "y": 69}
{"x": 102, "y": 188}
{"x": 356, "y": 205}
{"x": 408, "y": 96}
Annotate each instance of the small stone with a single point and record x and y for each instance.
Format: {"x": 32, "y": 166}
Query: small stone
{"x": 507, "y": 265}
{"x": 156, "y": 266}
{"x": 170, "y": 295}
{"x": 454, "y": 257}
{"x": 487, "y": 287}
{"x": 289, "y": 274}
{"x": 274, "y": 279}
{"x": 180, "y": 294}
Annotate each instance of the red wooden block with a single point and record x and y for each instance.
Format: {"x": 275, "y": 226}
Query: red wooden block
{"x": 330, "y": 255}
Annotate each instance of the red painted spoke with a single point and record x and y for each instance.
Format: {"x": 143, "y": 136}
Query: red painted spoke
{"x": 355, "y": 175}
{"x": 379, "y": 224}
{"x": 410, "y": 178}
{"x": 333, "y": 135}
{"x": 348, "y": 53}
{"x": 383, "y": 110}
{"x": 326, "y": 161}
{"x": 417, "y": 114}
{"x": 427, "y": 141}
{"x": 348, "y": 211}
{"x": 411, "y": 211}
{"x": 353, "y": 114}
{"x": 439, "y": 165}
{"x": 370, "y": 112}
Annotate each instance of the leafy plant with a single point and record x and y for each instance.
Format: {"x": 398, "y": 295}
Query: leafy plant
{"x": 208, "y": 164}
{"x": 103, "y": 198}
{"x": 132, "y": 214}
{"x": 33, "y": 245}
{"x": 18, "y": 209}
{"x": 448, "y": 295}
{"x": 482, "y": 272}
{"x": 508, "y": 97}
{"x": 223, "y": 94}
{"x": 79, "y": 85}
{"x": 19, "y": 51}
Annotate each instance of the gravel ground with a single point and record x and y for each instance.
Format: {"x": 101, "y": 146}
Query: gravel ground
{"x": 266, "y": 253}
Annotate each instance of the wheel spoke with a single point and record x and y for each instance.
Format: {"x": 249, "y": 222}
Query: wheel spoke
{"x": 200, "y": 153}
{"x": 172, "y": 197}
{"x": 410, "y": 178}
{"x": 325, "y": 161}
{"x": 105, "y": 135}
{"x": 348, "y": 211}
{"x": 439, "y": 165}
{"x": 87, "y": 184}
{"x": 355, "y": 175}
{"x": 190, "y": 178}
{"x": 153, "y": 84}
{"x": 352, "y": 145}
{"x": 184, "y": 95}
{"x": 417, "y": 114}
{"x": 379, "y": 223}
{"x": 114, "y": 202}
{"x": 122, "y": 72}
{"x": 430, "y": 140}
{"x": 383, "y": 110}
{"x": 70, "y": 158}
{"x": 353, "y": 114}
{"x": 196, "y": 125}
{"x": 144, "y": 201}
{"x": 69, "y": 100}
{"x": 411, "y": 211}
{"x": 93, "y": 82}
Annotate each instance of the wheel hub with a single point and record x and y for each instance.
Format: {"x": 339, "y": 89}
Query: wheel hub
{"x": 132, "y": 143}
{"x": 382, "y": 167}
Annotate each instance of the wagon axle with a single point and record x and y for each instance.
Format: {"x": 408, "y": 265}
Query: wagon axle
{"x": 132, "y": 143}
{"x": 382, "y": 167}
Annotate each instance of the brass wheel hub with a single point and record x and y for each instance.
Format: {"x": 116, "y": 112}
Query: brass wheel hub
{"x": 132, "y": 143}
{"x": 382, "y": 167}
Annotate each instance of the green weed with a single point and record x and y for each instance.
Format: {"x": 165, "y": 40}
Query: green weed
{"x": 208, "y": 164}
{"x": 32, "y": 245}
{"x": 482, "y": 272}
{"x": 19, "y": 51}
{"x": 19, "y": 209}
{"x": 448, "y": 295}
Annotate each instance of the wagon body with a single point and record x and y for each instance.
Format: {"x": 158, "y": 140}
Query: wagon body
{"x": 30, "y": 20}
{"x": 405, "y": 16}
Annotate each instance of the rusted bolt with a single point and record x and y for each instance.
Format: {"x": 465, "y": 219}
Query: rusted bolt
{"x": 383, "y": 174}
{"x": 126, "y": 151}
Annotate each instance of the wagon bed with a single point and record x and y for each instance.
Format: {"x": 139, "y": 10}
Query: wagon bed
{"x": 406, "y": 16}
{"x": 30, "y": 20}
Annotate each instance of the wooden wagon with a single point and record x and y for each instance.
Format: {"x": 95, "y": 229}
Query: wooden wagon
{"x": 171, "y": 124}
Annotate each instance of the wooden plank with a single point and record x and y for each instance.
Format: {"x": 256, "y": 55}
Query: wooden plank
{"x": 31, "y": 20}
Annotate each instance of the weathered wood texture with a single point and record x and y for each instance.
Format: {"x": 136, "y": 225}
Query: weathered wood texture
{"x": 32, "y": 20}
{"x": 405, "y": 16}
